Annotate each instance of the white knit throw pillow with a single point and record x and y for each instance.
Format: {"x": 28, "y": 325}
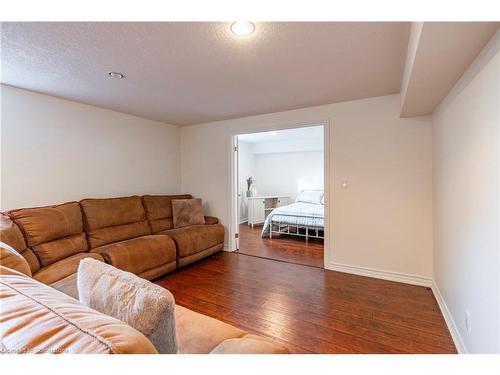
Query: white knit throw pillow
{"x": 141, "y": 304}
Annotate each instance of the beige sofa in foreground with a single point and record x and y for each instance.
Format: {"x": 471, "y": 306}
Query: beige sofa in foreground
{"x": 36, "y": 318}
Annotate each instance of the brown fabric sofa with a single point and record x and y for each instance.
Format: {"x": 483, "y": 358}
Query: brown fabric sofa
{"x": 35, "y": 318}
{"x": 193, "y": 242}
{"x": 133, "y": 233}
{"x": 118, "y": 230}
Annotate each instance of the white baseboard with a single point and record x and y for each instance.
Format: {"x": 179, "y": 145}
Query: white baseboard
{"x": 452, "y": 327}
{"x": 227, "y": 248}
{"x": 380, "y": 274}
{"x": 242, "y": 221}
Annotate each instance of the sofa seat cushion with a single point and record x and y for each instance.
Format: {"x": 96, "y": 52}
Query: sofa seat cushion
{"x": 68, "y": 285}
{"x": 39, "y": 319}
{"x": 200, "y": 334}
{"x": 63, "y": 268}
{"x": 52, "y": 232}
{"x": 193, "y": 239}
{"x": 250, "y": 344}
{"x": 140, "y": 254}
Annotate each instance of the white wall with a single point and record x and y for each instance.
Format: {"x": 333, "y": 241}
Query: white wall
{"x": 246, "y": 161}
{"x": 287, "y": 173}
{"x": 54, "y": 150}
{"x": 289, "y": 145}
{"x": 383, "y": 220}
{"x": 466, "y": 202}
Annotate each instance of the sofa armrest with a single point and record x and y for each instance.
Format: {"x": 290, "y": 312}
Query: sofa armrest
{"x": 39, "y": 319}
{"x": 210, "y": 220}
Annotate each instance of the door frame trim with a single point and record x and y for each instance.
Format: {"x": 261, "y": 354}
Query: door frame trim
{"x": 327, "y": 166}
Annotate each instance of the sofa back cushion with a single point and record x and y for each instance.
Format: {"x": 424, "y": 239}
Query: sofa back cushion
{"x": 39, "y": 319}
{"x": 52, "y": 232}
{"x": 114, "y": 219}
{"x": 10, "y": 258}
{"x": 12, "y": 236}
{"x": 159, "y": 210}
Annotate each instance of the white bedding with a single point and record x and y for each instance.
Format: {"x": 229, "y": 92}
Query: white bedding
{"x": 298, "y": 213}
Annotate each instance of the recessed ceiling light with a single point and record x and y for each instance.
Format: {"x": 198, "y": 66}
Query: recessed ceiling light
{"x": 116, "y": 75}
{"x": 242, "y": 28}
{"x": 274, "y": 133}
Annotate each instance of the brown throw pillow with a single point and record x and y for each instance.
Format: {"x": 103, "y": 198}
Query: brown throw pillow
{"x": 187, "y": 212}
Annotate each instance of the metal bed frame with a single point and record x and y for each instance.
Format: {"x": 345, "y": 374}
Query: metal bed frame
{"x": 276, "y": 226}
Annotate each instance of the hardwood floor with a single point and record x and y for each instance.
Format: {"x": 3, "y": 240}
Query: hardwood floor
{"x": 284, "y": 248}
{"x": 312, "y": 310}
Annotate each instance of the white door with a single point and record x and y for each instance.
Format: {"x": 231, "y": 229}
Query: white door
{"x": 238, "y": 194}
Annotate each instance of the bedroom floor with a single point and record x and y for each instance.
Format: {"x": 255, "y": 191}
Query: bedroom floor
{"x": 281, "y": 247}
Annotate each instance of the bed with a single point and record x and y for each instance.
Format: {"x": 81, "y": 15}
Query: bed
{"x": 304, "y": 218}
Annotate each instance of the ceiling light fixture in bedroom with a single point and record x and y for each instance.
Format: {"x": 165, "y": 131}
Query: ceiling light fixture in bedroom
{"x": 242, "y": 28}
{"x": 116, "y": 75}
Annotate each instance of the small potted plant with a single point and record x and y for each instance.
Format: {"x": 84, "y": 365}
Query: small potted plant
{"x": 250, "y": 181}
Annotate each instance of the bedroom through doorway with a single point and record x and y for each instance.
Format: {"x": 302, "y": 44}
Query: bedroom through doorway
{"x": 280, "y": 195}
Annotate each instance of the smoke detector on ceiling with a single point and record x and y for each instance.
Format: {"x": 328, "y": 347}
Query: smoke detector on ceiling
{"x": 116, "y": 75}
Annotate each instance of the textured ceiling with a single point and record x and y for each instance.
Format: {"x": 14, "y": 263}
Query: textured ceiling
{"x": 188, "y": 73}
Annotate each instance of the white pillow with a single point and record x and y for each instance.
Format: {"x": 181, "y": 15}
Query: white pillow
{"x": 310, "y": 196}
{"x": 147, "y": 307}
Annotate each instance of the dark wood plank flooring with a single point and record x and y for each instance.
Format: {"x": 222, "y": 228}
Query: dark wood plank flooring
{"x": 281, "y": 247}
{"x": 312, "y": 310}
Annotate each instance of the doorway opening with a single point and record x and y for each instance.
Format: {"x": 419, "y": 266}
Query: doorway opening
{"x": 280, "y": 195}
